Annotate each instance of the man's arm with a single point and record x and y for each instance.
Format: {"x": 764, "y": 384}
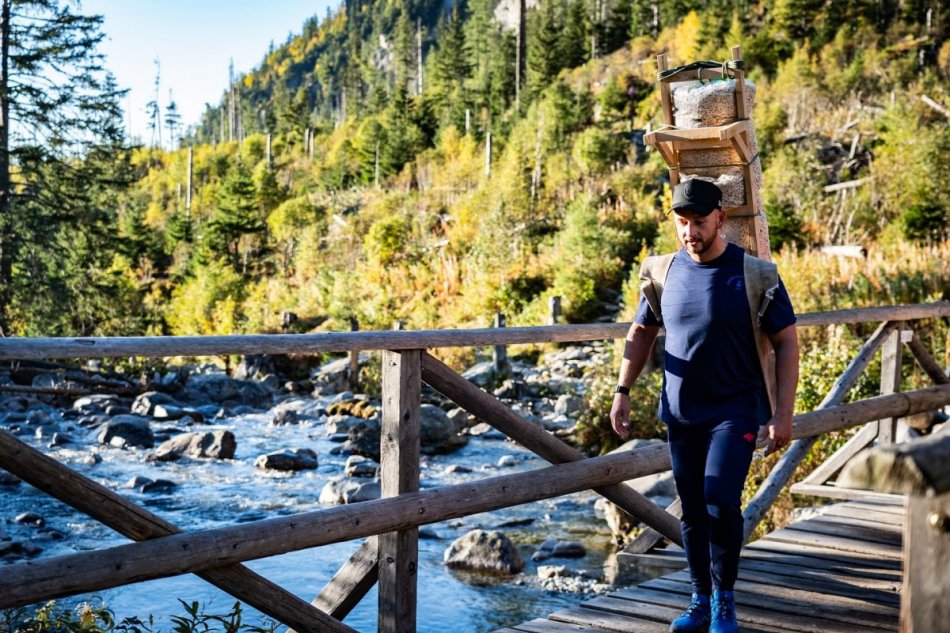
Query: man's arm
{"x": 636, "y": 351}
{"x": 779, "y": 428}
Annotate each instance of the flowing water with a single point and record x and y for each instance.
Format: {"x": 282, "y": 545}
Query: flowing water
{"x": 213, "y": 494}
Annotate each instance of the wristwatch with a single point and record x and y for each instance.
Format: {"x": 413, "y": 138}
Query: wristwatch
{"x": 621, "y": 389}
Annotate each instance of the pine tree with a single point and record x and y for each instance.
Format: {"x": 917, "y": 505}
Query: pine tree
{"x": 544, "y": 55}
{"x": 575, "y": 35}
{"x": 172, "y": 121}
{"x": 237, "y": 215}
{"x": 61, "y": 136}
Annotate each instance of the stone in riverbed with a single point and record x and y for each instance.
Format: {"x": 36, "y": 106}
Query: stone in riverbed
{"x": 198, "y": 445}
{"x": 126, "y": 431}
{"x": 363, "y": 492}
{"x": 288, "y": 460}
{"x": 484, "y": 551}
{"x": 30, "y": 518}
{"x": 359, "y": 466}
{"x": 146, "y": 403}
{"x": 285, "y": 417}
{"x": 8, "y": 479}
{"x": 334, "y": 491}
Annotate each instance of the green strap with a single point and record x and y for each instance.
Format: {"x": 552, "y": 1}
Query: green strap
{"x": 737, "y": 64}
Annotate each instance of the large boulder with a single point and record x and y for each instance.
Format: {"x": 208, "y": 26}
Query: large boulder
{"x": 126, "y": 431}
{"x": 438, "y": 433}
{"x": 198, "y": 445}
{"x": 363, "y": 439}
{"x": 336, "y": 490}
{"x": 288, "y": 460}
{"x": 484, "y": 551}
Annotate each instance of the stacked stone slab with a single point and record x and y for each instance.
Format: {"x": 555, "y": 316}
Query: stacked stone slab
{"x": 710, "y": 136}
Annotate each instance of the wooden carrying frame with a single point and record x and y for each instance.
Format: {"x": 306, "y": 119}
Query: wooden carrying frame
{"x": 673, "y": 142}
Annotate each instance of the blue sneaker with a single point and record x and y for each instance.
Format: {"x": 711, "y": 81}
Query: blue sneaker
{"x": 723, "y": 613}
{"x": 696, "y": 617}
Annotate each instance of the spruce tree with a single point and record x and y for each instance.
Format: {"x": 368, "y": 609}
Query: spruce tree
{"x": 61, "y": 135}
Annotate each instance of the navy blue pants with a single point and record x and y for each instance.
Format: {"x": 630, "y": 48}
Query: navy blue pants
{"x": 710, "y": 464}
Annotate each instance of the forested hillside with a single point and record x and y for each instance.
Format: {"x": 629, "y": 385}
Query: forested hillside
{"x": 438, "y": 162}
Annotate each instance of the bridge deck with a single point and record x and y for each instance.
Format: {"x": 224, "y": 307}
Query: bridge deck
{"x": 837, "y": 572}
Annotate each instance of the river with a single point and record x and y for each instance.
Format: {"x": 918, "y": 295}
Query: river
{"x": 218, "y": 493}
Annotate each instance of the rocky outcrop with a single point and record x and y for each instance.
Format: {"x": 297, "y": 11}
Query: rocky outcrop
{"x": 484, "y": 551}
{"x": 198, "y": 445}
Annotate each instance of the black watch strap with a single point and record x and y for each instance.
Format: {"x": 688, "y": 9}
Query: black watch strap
{"x": 621, "y": 389}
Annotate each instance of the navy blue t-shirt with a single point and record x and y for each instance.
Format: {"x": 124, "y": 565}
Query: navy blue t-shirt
{"x": 712, "y": 370}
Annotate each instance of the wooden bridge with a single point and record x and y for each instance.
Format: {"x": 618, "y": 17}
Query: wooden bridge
{"x": 839, "y": 572}
{"x": 388, "y": 555}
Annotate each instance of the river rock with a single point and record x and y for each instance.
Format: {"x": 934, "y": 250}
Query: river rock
{"x": 438, "y": 433}
{"x": 461, "y": 418}
{"x": 359, "y": 466}
{"x": 126, "y": 431}
{"x": 363, "y": 492}
{"x": 30, "y": 518}
{"x": 482, "y": 374}
{"x": 95, "y": 403}
{"x": 484, "y": 551}
{"x": 198, "y": 445}
{"x": 8, "y": 479}
{"x": 224, "y": 390}
{"x": 38, "y": 416}
{"x": 337, "y": 424}
{"x": 334, "y": 491}
{"x": 285, "y": 417}
{"x": 510, "y": 389}
{"x": 363, "y": 439}
{"x": 60, "y": 439}
{"x": 507, "y": 461}
{"x": 145, "y": 403}
{"x": 187, "y": 415}
{"x": 45, "y": 431}
{"x": 568, "y": 404}
{"x": 355, "y": 407}
{"x": 288, "y": 460}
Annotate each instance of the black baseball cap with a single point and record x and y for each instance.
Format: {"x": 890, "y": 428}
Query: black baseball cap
{"x": 698, "y": 196}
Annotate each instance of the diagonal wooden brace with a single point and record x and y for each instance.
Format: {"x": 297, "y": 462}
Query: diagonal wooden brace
{"x": 138, "y": 524}
{"x": 488, "y": 408}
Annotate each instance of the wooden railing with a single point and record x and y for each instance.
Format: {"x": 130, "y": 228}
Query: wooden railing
{"x": 389, "y": 554}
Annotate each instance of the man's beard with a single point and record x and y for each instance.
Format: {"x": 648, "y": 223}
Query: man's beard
{"x": 700, "y": 247}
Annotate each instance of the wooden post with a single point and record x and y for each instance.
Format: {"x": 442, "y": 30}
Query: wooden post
{"x": 891, "y": 357}
{"x": 554, "y": 303}
{"x": 399, "y": 473}
{"x": 351, "y": 583}
{"x": 921, "y": 469}
{"x": 500, "y": 352}
{"x": 354, "y": 373}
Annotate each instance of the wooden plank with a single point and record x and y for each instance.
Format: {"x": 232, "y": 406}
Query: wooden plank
{"x": 541, "y": 625}
{"x": 839, "y": 510}
{"x": 134, "y": 522}
{"x": 843, "y": 543}
{"x": 665, "y": 98}
{"x": 891, "y": 358}
{"x": 927, "y": 362}
{"x": 790, "y": 601}
{"x": 649, "y": 538}
{"x": 15, "y": 348}
{"x": 804, "y": 566}
{"x": 399, "y": 474}
{"x": 831, "y": 491}
{"x": 24, "y": 583}
{"x": 927, "y": 559}
{"x": 806, "y": 592}
{"x": 826, "y": 553}
{"x": 488, "y": 408}
{"x": 760, "y": 615}
{"x": 894, "y": 528}
{"x": 608, "y": 621}
{"x": 827, "y": 469}
{"x": 885, "y": 504}
{"x": 351, "y": 583}
{"x": 646, "y": 610}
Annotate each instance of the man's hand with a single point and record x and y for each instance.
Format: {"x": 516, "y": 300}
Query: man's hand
{"x": 778, "y": 432}
{"x": 620, "y": 415}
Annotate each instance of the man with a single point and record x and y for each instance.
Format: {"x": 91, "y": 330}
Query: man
{"x": 716, "y": 396}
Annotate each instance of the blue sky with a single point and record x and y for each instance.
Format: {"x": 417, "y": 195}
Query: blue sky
{"x": 195, "y": 41}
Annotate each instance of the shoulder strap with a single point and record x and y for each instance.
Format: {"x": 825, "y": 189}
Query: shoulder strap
{"x": 761, "y": 282}
{"x": 653, "y": 272}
